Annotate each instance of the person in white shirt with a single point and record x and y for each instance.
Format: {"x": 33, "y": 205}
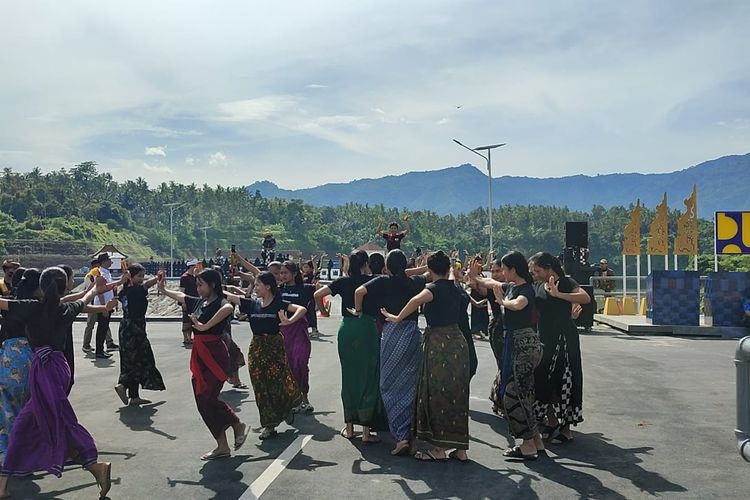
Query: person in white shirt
{"x": 105, "y": 278}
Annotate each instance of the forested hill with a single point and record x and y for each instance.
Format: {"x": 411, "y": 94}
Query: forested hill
{"x": 722, "y": 185}
{"x": 57, "y": 207}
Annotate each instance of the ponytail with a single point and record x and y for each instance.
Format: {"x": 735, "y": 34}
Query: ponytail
{"x": 396, "y": 263}
{"x": 546, "y": 260}
{"x": 53, "y": 283}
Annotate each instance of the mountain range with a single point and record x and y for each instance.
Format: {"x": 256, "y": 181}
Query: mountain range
{"x": 722, "y": 185}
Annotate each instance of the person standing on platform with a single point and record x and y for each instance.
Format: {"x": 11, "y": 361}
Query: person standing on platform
{"x": 189, "y": 288}
{"x": 393, "y": 237}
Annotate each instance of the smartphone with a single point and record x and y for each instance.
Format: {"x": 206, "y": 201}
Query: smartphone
{"x": 234, "y": 249}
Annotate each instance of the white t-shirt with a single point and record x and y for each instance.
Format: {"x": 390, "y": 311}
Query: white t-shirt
{"x": 108, "y": 295}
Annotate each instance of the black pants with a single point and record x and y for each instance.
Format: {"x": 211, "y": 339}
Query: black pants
{"x": 102, "y": 325}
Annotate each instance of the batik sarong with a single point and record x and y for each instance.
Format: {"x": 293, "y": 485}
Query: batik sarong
{"x": 400, "y": 360}
{"x": 15, "y": 361}
{"x": 276, "y": 392}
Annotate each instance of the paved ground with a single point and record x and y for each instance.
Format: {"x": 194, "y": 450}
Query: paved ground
{"x": 659, "y": 422}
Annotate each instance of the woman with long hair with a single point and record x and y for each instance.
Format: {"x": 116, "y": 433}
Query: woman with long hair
{"x": 46, "y": 431}
{"x": 310, "y": 275}
{"x": 400, "y": 345}
{"x": 296, "y": 339}
{"x": 559, "y": 376}
{"x": 137, "y": 363}
{"x": 359, "y": 353}
{"x": 522, "y": 352}
{"x": 16, "y": 355}
{"x": 209, "y": 360}
{"x": 442, "y": 401}
{"x": 276, "y": 392}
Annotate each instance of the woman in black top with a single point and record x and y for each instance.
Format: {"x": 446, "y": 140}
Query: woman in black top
{"x": 296, "y": 339}
{"x": 521, "y": 355}
{"x": 15, "y": 355}
{"x": 276, "y": 392}
{"x": 47, "y": 432}
{"x": 209, "y": 359}
{"x": 559, "y": 376}
{"x": 400, "y": 345}
{"x": 137, "y": 363}
{"x": 442, "y": 401}
{"x": 359, "y": 353}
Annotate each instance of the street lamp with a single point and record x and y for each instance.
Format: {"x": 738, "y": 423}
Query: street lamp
{"x": 205, "y": 240}
{"x": 488, "y": 159}
{"x": 172, "y": 207}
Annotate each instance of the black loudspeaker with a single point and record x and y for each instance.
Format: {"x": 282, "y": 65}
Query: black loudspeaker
{"x": 586, "y": 319}
{"x": 577, "y": 234}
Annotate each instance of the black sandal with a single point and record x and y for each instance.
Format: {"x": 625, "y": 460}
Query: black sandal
{"x": 517, "y": 453}
{"x": 427, "y": 456}
{"x": 560, "y": 438}
{"x": 454, "y": 455}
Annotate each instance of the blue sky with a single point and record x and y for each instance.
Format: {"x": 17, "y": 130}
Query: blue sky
{"x": 303, "y": 93}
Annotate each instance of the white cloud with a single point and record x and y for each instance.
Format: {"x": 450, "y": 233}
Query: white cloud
{"x": 443, "y": 121}
{"x": 316, "y": 86}
{"x": 159, "y": 169}
{"x": 217, "y": 159}
{"x": 156, "y": 151}
{"x": 190, "y": 161}
{"x": 257, "y": 109}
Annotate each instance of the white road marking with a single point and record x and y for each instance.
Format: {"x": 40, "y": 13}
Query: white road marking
{"x": 261, "y": 484}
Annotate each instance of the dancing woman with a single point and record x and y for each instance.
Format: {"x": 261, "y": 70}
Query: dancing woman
{"x": 137, "y": 363}
{"x": 276, "y": 392}
{"x": 47, "y": 431}
{"x": 559, "y": 376}
{"x": 442, "y": 401}
{"x": 522, "y": 352}
{"x": 15, "y": 356}
{"x": 400, "y": 345}
{"x": 359, "y": 353}
{"x": 209, "y": 360}
{"x": 296, "y": 339}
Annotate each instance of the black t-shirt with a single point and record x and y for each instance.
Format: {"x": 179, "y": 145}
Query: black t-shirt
{"x": 134, "y": 301}
{"x": 445, "y": 307}
{"x": 393, "y": 241}
{"x": 516, "y": 320}
{"x": 393, "y": 293}
{"x": 345, "y": 287}
{"x": 12, "y": 328}
{"x": 554, "y": 312}
{"x": 264, "y": 320}
{"x": 309, "y": 278}
{"x": 301, "y": 294}
{"x": 187, "y": 282}
{"x": 205, "y": 311}
{"x": 51, "y": 332}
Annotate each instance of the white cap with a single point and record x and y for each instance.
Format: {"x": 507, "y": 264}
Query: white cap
{"x": 192, "y": 262}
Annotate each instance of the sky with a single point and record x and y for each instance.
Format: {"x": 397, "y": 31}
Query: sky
{"x": 309, "y": 92}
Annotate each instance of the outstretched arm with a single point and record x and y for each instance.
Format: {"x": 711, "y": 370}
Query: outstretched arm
{"x": 407, "y": 226}
{"x": 178, "y": 297}
{"x": 247, "y": 265}
{"x": 379, "y": 230}
{"x": 318, "y": 296}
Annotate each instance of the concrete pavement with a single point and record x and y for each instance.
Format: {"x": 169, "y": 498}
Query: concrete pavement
{"x": 659, "y": 419}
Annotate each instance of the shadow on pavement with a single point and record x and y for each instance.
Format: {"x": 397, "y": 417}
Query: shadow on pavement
{"x": 140, "y": 418}
{"x": 222, "y": 477}
{"x": 594, "y": 451}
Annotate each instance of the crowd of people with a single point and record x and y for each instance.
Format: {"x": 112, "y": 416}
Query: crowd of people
{"x": 395, "y": 377}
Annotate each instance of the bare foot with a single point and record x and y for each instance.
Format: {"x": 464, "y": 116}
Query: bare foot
{"x": 102, "y": 472}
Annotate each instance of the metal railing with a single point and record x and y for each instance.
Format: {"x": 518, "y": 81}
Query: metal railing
{"x": 742, "y": 432}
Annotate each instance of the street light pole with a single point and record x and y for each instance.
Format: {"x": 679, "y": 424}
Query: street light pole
{"x": 205, "y": 241}
{"x": 172, "y": 207}
{"x": 488, "y": 159}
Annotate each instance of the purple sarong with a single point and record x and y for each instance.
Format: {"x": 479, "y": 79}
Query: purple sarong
{"x": 298, "y": 347}
{"x": 47, "y": 431}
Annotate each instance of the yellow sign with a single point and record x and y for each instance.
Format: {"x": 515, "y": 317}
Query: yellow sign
{"x": 658, "y": 244}
{"x": 632, "y": 244}
{"x": 732, "y": 232}
{"x": 686, "y": 242}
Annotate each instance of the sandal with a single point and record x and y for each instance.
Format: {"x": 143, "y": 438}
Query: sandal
{"x": 213, "y": 455}
{"x": 560, "y": 438}
{"x": 344, "y": 434}
{"x": 517, "y": 453}
{"x": 454, "y": 455}
{"x": 401, "y": 451}
{"x": 267, "y": 433}
{"x": 427, "y": 456}
{"x": 240, "y": 440}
